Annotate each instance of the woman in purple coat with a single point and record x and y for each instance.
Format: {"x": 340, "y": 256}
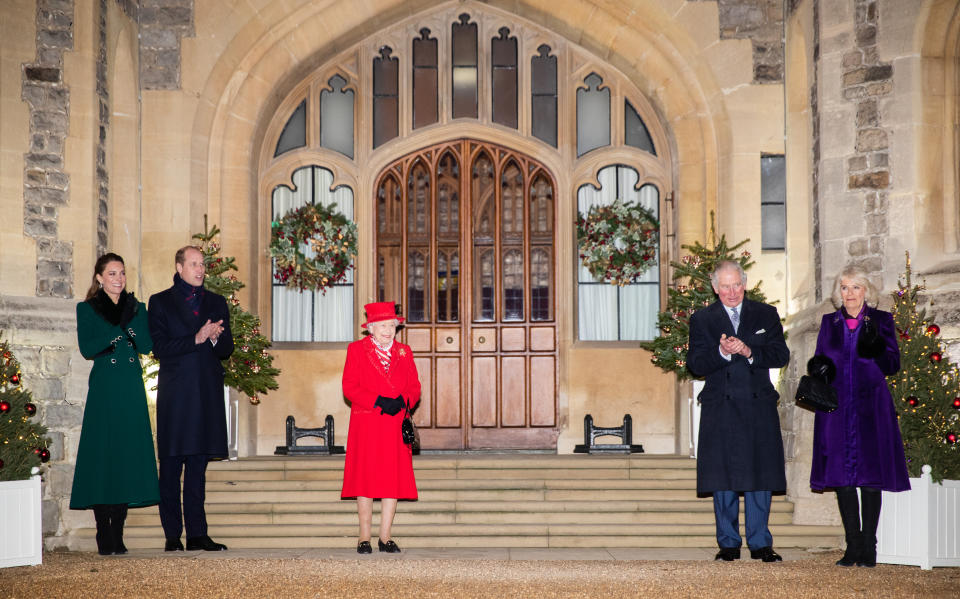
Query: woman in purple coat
{"x": 859, "y": 445}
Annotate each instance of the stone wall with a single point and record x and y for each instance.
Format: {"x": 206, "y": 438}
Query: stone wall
{"x": 42, "y": 335}
{"x": 162, "y": 24}
{"x": 45, "y": 180}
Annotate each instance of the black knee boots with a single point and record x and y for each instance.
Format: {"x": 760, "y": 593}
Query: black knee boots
{"x": 870, "y": 500}
{"x": 101, "y": 513}
{"x": 117, "y": 518}
{"x": 110, "y": 519}
{"x": 849, "y": 506}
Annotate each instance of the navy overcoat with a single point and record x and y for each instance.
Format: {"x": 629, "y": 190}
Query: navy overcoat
{"x": 859, "y": 444}
{"x": 740, "y": 447}
{"x": 191, "y": 418}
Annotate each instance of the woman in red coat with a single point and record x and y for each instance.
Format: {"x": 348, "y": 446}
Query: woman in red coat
{"x": 381, "y": 382}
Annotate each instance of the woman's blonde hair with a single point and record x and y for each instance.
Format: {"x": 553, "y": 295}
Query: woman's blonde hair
{"x": 855, "y": 274}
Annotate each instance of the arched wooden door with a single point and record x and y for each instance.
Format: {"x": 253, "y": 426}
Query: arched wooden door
{"x": 465, "y": 243}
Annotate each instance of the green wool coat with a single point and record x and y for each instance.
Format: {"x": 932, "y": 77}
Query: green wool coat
{"x": 116, "y": 463}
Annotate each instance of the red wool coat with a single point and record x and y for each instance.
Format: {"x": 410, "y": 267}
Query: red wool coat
{"x": 378, "y": 464}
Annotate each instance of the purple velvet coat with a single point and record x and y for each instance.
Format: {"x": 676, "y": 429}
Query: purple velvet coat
{"x": 859, "y": 444}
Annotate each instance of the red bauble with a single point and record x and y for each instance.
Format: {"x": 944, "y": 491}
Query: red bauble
{"x": 956, "y": 403}
{"x": 913, "y": 401}
{"x": 933, "y": 330}
{"x": 30, "y": 409}
{"x": 4, "y": 406}
{"x": 44, "y": 455}
{"x": 951, "y": 438}
{"x": 936, "y": 356}
{"x": 36, "y": 451}
{"x": 15, "y": 379}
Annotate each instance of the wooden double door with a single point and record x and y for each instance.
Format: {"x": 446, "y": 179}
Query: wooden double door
{"x": 465, "y": 235}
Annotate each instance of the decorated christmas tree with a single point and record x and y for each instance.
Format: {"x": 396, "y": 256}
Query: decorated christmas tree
{"x": 250, "y": 368}
{"x": 926, "y": 391}
{"x": 22, "y": 442}
{"x": 691, "y": 291}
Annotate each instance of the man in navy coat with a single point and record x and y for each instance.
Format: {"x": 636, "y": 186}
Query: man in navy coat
{"x": 733, "y": 344}
{"x": 190, "y": 327}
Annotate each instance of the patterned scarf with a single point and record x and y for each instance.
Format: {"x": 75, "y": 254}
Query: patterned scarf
{"x": 192, "y": 295}
{"x": 383, "y": 354}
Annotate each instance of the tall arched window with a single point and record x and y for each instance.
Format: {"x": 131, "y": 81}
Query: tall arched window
{"x": 608, "y": 312}
{"x": 312, "y": 315}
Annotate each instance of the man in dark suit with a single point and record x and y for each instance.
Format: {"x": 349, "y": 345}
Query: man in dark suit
{"x": 733, "y": 344}
{"x": 190, "y": 327}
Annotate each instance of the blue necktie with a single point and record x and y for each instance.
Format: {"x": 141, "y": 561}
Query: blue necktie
{"x": 735, "y": 319}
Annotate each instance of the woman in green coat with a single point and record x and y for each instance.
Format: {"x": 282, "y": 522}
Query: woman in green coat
{"x": 116, "y": 465}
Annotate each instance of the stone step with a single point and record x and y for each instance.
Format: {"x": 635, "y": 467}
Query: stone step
{"x": 426, "y": 486}
{"x": 779, "y": 505}
{"x": 472, "y": 500}
{"x": 451, "y": 517}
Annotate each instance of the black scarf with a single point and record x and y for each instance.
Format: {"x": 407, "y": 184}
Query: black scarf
{"x": 192, "y": 295}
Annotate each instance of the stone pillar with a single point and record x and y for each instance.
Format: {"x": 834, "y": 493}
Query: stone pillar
{"x": 45, "y": 180}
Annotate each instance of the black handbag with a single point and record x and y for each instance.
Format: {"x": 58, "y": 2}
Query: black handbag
{"x": 815, "y": 394}
{"x": 409, "y": 432}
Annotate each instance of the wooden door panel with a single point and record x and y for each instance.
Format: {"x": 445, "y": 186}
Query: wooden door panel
{"x": 484, "y": 340}
{"x": 448, "y": 403}
{"x": 484, "y": 391}
{"x": 513, "y": 383}
{"x": 513, "y": 339}
{"x": 418, "y": 340}
{"x": 542, "y": 338}
{"x": 448, "y": 340}
{"x": 543, "y": 393}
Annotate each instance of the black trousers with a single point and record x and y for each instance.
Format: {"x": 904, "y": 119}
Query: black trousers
{"x": 194, "y": 469}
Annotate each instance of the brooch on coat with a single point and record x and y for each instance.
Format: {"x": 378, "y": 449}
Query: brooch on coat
{"x": 401, "y": 352}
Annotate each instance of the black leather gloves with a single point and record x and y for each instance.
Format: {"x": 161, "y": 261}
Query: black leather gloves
{"x": 389, "y": 405}
{"x": 822, "y": 368}
{"x": 869, "y": 343}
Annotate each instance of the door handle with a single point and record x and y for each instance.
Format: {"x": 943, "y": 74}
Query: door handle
{"x": 482, "y": 339}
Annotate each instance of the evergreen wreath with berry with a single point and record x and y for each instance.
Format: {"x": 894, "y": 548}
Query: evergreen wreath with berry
{"x": 618, "y": 242}
{"x": 313, "y": 247}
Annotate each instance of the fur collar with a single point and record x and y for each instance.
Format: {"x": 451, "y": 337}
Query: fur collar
{"x": 119, "y": 313}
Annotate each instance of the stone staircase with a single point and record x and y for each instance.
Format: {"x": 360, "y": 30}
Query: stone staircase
{"x": 472, "y": 500}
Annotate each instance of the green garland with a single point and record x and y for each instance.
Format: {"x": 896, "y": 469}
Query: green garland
{"x": 313, "y": 247}
{"x": 618, "y": 242}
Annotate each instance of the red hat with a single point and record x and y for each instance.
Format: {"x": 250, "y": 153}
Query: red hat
{"x": 380, "y": 311}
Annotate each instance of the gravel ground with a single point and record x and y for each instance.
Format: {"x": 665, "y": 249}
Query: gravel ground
{"x": 87, "y": 575}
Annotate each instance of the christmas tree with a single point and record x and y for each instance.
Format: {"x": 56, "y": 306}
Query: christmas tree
{"x": 22, "y": 442}
{"x": 250, "y": 368}
{"x": 693, "y": 290}
{"x": 926, "y": 390}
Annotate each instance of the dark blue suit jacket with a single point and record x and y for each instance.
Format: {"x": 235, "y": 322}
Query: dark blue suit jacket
{"x": 191, "y": 419}
{"x": 740, "y": 447}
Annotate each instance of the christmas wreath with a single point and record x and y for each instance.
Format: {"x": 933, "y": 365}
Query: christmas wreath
{"x": 618, "y": 242}
{"x": 313, "y": 247}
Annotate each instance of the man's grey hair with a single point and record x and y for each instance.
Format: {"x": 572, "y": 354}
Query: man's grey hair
{"x": 727, "y": 265}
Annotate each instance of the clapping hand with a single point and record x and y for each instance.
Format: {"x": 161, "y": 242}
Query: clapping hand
{"x": 732, "y": 345}
{"x": 209, "y": 330}
{"x": 390, "y": 406}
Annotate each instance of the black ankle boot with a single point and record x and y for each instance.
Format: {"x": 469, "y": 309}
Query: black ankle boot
{"x": 101, "y": 513}
{"x": 849, "y": 506}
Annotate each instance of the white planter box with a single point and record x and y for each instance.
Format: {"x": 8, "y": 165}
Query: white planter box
{"x": 21, "y": 536}
{"x": 921, "y": 527}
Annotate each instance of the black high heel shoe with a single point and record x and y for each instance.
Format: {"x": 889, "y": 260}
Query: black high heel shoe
{"x": 364, "y": 547}
{"x": 388, "y": 547}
